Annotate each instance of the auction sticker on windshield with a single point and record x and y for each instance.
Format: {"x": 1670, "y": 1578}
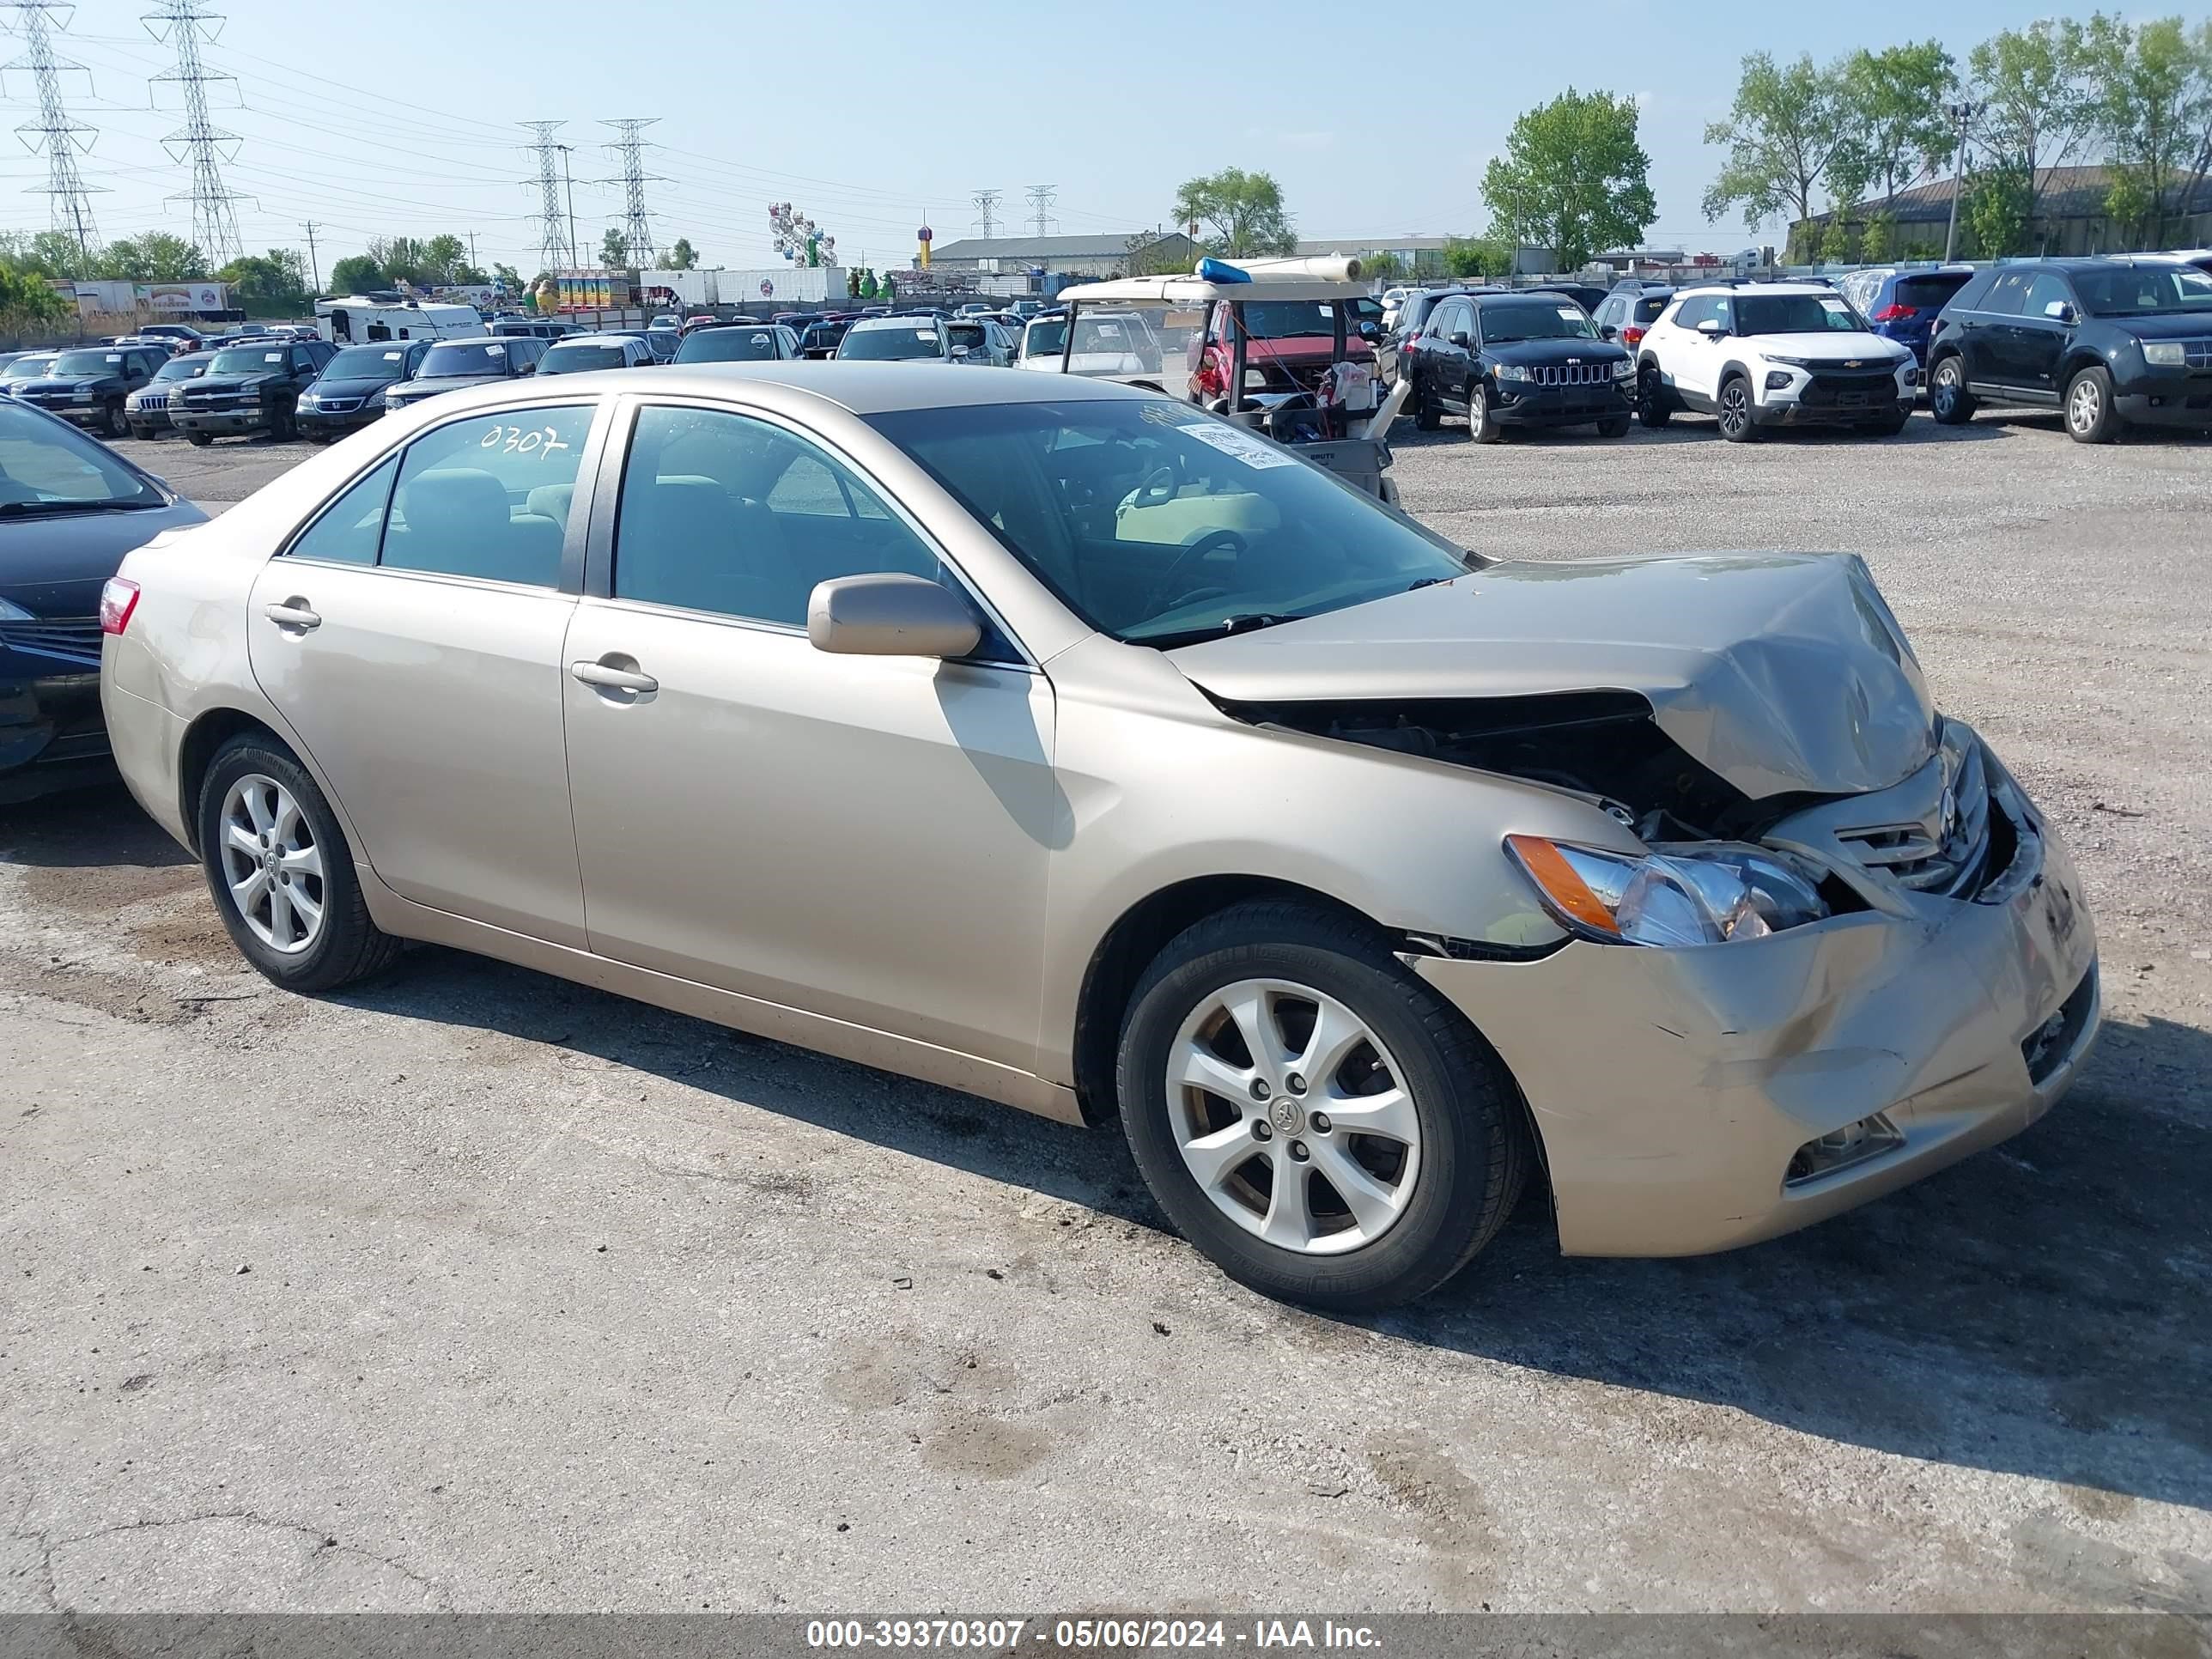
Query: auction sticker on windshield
{"x": 1836, "y": 307}
{"x": 1239, "y": 446}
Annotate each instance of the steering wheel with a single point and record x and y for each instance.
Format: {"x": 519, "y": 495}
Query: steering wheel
{"x": 1159, "y": 487}
{"x": 1217, "y": 542}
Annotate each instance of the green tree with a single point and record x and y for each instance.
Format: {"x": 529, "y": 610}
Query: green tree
{"x": 614, "y": 247}
{"x": 47, "y": 253}
{"x": 1836, "y": 241}
{"x": 274, "y": 284}
{"x": 1997, "y": 208}
{"x": 1894, "y": 117}
{"x": 446, "y": 259}
{"x": 1239, "y": 214}
{"x": 1573, "y": 178}
{"x": 1480, "y": 256}
{"x": 2037, "y": 111}
{"x": 28, "y": 302}
{"x": 358, "y": 273}
{"x": 156, "y": 257}
{"x": 2151, "y": 89}
{"x": 1784, "y": 132}
{"x": 682, "y": 256}
{"x": 1878, "y": 239}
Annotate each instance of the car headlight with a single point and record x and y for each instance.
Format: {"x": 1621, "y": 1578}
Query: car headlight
{"x": 2165, "y": 354}
{"x": 1624, "y": 370}
{"x": 13, "y": 612}
{"x": 1790, "y": 362}
{"x": 311, "y": 400}
{"x": 1511, "y": 372}
{"x": 83, "y": 395}
{"x": 1677, "y": 893}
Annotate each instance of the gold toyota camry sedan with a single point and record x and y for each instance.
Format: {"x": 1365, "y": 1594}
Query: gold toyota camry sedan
{"x": 1058, "y": 742}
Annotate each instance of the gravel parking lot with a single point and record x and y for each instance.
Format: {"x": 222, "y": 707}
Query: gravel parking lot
{"x": 478, "y": 1290}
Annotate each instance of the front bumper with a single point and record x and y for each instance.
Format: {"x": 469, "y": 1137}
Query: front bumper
{"x": 220, "y": 423}
{"x": 148, "y": 422}
{"x": 1519, "y": 404}
{"x": 2186, "y": 403}
{"x": 52, "y": 736}
{"x": 1793, "y": 412}
{"x": 1671, "y": 1130}
{"x": 324, "y": 424}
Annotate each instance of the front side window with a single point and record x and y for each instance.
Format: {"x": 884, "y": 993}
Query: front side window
{"x": 725, "y": 514}
{"x": 2047, "y": 289}
{"x": 1161, "y": 525}
{"x": 489, "y": 497}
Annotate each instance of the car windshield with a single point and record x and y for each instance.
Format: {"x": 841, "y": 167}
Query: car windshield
{"x": 367, "y": 362}
{"x": 1289, "y": 320}
{"x": 87, "y": 363}
{"x": 182, "y": 368}
{"x": 1795, "y": 313}
{"x": 46, "y": 468}
{"x": 248, "y": 360}
{"x": 450, "y": 359}
{"x": 2141, "y": 290}
{"x": 1162, "y": 525}
{"x": 575, "y": 359}
{"x": 1551, "y": 320}
{"x": 27, "y": 368}
{"x": 728, "y": 345}
{"x": 879, "y": 343}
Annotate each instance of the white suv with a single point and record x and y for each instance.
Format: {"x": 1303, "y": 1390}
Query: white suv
{"x": 1757, "y": 355}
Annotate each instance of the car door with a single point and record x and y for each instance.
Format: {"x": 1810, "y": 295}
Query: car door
{"x": 862, "y": 837}
{"x": 1445, "y": 354}
{"x": 2037, "y": 339}
{"x": 411, "y": 635}
{"x": 1989, "y": 335}
{"x": 1693, "y": 355}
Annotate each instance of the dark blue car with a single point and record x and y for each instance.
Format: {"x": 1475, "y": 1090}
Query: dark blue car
{"x": 1901, "y": 305}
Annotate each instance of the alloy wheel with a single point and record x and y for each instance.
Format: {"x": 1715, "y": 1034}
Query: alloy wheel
{"x": 1735, "y": 409}
{"x": 1292, "y": 1117}
{"x": 2084, "y": 405}
{"x": 272, "y": 864}
{"x": 1945, "y": 398}
{"x": 1478, "y": 411}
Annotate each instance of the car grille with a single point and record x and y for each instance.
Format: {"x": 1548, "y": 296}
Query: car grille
{"x": 70, "y": 639}
{"x": 153, "y": 400}
{"x": 47, "y": 399}
{"x": 337, "y": 405}
{"x": 2197, "y": 353}
{"x": 1947, "y": 852}
{"x": 218, "y": 399}
{"x": 1847, "y": 388}
{"x": 1573, "y": 373}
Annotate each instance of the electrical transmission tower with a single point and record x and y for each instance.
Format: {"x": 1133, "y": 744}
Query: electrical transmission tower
{"x": 1041, "y": 197}
{"x": 986, "y": 210}
{"x": 555, "y": 248}
{"x": 185, "y": 25}
{"x": 637, "y": 235}
{"x": 53, "y": 131}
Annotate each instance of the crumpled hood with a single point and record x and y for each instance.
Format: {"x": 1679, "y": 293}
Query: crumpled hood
{"x": 1781, "y": 672}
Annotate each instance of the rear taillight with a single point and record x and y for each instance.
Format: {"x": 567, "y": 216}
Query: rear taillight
{"x": 1896, "y": 314}
{"x": 1631, "y": 335}
{"x": 118, "y": 599}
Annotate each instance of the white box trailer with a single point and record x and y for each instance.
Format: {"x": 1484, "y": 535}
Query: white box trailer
{"x": 784, "y": 284}
{"x": 360, "y": 319}
{"x": 692, "y": 288}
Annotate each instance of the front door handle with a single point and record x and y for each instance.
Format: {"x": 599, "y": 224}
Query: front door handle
{"x": 610, "y": 679}
{"x": 295, "y": 616}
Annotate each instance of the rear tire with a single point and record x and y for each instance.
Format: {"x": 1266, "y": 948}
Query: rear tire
{"x": 283, "y": 427}
{"x": 111, "y": 422}
{"x": 1733, "y": 409}
{"x": 1651, "y": 407}
{"x": 2090, "y": 418}
{"x": 1426, "y": 418}
{"x": 252, "y": 778}
{"x": 1948, "y": 400}
{"x": 1434, "y": 1187}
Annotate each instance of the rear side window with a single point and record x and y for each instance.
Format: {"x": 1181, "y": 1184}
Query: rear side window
{"x": 352, "y": 525}
{"x": 489, "y": 497}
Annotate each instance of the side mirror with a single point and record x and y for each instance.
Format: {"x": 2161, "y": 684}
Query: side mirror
{"x": 1370, "y": 332}
{"x": 2059, "y": 310}
{"x": 1608, "y": 332}
{"x": 960, "y": 351}
{"x": 1711, "y": 329}
{"x": 1459, "y": 339}
{"x": 889, "y": 615}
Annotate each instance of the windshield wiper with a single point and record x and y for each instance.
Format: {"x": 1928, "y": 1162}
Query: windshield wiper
{"x": 1430, "y": 581}
{"x": 1243, "y": 621}
{"x": 50, "y": 509}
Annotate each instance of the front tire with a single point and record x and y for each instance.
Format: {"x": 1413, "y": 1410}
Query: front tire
{"x": 1651, "y": 398}
{"x": 2089, "y": 416}
{"x": 1426, "y": 418}
{"x": 199, "y": 440}
{"x": 1614, "y": 426}
{"x": 1733, "y": 409}
{"x": 280, "y": 873}
{"x": 1355, "y": 1149}
{"x": 112, "y": 424}
{"x": 1481, "y": 426}
{"x": 1890, "y": 425}
{"x": 1948, "y": 400}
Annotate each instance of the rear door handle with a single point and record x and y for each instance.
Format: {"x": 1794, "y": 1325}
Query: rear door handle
{"x": 613, "y": 679}
{"x": 294, "y": 614}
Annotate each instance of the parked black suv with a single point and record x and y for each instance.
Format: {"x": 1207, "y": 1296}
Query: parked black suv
{"x": 1526, "y": 358}
{"x": 86, "y": 387}
{"x": 349, "y": 393}
{"x": 2113, "y": 342}
{"x": 249, "y": 388}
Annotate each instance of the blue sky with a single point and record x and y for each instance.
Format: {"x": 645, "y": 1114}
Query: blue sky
{"x": 400, "y": 117}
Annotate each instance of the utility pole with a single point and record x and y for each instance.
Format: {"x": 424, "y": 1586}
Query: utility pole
{"x": 1041, "y": 198}
{"x": 638, "y": 235}
{"x": 575, "y": 253}
{"x": 53, "y": 131}
{"x": 314, "y": 265}
{"x": 473, "y": 253}
{"x": 987, "y": 208}
{"x": 215, "y": 219}
{"x": 550, "y": 235}
{"x": 1962, "y": 114}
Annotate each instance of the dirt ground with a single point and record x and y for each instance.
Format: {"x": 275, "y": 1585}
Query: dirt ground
{"x": 475, "y": 1290}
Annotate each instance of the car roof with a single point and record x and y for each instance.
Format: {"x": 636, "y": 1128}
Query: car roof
{"x": 906, "y": 322}
{"x": 859, "y": 388}
{"x": 593, "y": 339}
{"x": 1757, "y": 288}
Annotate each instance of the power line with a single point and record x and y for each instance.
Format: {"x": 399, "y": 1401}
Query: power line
{"x": 214, "y": 220}
{"x": 556, "y": 242}
{"x": 54, "y": 132}
{"x": 1041, "y": 197}
{"x": 629, "y": 144}
{"x": 987, "y": 208}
